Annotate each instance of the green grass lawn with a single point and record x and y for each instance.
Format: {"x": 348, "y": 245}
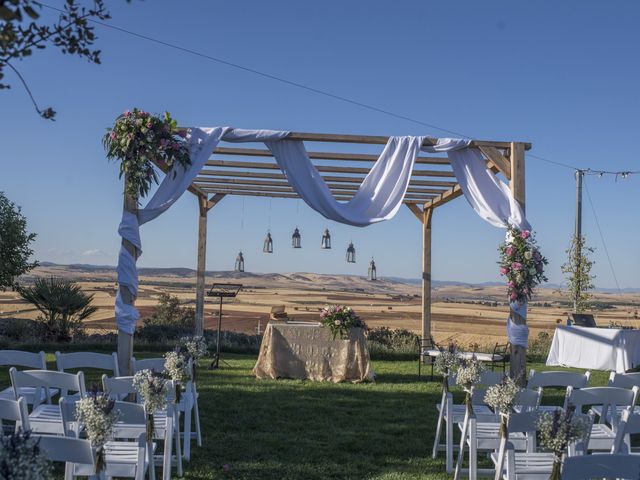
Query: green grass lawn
{"x": 286, "y": 429}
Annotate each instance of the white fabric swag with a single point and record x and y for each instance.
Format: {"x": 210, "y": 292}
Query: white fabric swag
{"x": 378, "y": 198}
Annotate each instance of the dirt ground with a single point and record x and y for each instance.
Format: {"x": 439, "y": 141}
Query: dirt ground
{"x": 462, "y": 313}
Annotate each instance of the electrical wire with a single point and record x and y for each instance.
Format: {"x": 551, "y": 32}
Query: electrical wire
{"x": 604, "y": 244}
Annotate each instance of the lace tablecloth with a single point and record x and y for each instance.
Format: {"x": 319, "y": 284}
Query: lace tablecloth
{"x": 307, "y": 351}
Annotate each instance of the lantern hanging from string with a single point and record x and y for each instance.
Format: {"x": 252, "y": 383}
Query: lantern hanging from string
{"x": 351, "y": 253}
{"x": 239, "y": 267}
{"x": 296, "y": 239}
{"x": 372, "y": 274}
{"x": 326, "y": 240}
{"x": 268, "y": 244}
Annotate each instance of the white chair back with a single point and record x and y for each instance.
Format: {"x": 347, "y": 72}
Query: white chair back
{"x": 155, "y": 364}
{"x": 47, "y": 379}
{"x": 558, "y": 379}
{"x": 101, "y": 361}
{"x": 118, "y": 387}
{"x": 15, "y": 411}
{"x": 607, "y": 397}
{"x": 584, "y": 467}
{"x": 624, "y": 380}
{"x": 66, "y": 449}
{"x": 18, "y": 358}
{"x": 527, "y": 400}
{"x": 629, "y": 425}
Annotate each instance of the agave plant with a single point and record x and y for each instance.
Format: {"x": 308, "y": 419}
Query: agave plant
{"x": 62, "y": 303}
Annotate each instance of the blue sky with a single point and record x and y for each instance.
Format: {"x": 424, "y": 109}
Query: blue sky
{"x": 562, "y": 75}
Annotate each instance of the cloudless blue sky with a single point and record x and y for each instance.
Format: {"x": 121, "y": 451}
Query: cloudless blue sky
{"x": 562, "y": 75}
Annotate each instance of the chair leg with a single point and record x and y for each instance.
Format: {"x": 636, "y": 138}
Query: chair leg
{"x": 463, "y": 439}
{"x": 187, "y": 431}
{"x": 473, "y": 451}
{"x": 449, "y": 442}
{"x": 151, "y": 460}
{"x": 436, "y": 441}
{"x": 176, "y": 435}
{"x": 196, "y": 414}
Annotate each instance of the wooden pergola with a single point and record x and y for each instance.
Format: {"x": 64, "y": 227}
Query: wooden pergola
{"x": 254, "y": 172}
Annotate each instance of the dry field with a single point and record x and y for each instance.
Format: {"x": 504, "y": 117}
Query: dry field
{"x": 460, "y": 312}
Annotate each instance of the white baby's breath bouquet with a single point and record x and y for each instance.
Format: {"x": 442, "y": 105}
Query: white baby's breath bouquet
{"x": 502, "y": 398}
{"x": 22, "y": 459}
{"x": 557, "y": 430}
{"x": 153, "y": 389}
{"x": 469, "y": 373}
{"x": 176, "y": 365}
{"x": 196, "y": 346}
{"x": 445, "y": 364}
{"x": 97, "y": 415}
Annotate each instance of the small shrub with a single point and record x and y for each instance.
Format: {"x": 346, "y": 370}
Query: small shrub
{"x": 21, "y": 330}
{"x": 169, "y": 321}
{"x": 539, "y": 347}
{"x": 384, "y": 342}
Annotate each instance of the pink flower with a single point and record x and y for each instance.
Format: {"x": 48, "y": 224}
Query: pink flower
{"x": 525, "y": 234}
{"x": 143, "y": 114}
{"x": 182, "y": 133}
{"x": 127, "y": 114}
{"x": 113, "y": 135}
{"x": 516, "y": 266}
{"x": 514, "y": 296}
{"x": 511, "y": 285}
{"x": 509, "y": 251}
{"x": 504, "y": 270}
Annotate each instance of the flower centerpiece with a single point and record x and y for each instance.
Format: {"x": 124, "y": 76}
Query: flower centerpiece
{"x": 340, "y": 320}
{"x": 176, "y": 364}
{"x": 153, "y": 389}
{"x": 138, "y": 139}
{"x": 96, "y": 414}
{"x": 522, "y": 263}
{"x": 502, "y": 398}
{"x": 445, "y": 363}
{"x": 557, "y": 430}
{"x": 22, "y": 459}
{"x": 469, "y": 373}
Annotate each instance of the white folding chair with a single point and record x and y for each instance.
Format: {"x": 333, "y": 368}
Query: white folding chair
{"x": 608, "y": 398}
{"x": 620, "y": 380}
{"x": 449, "y": 414}
{"x": 45, "y": 418}
{"x": 77, "y": 454}
{"x": 481, "y": 433}
{"x": 555, "y": 379}
{"x": 188, "y": 404}
{"x": 616, "y": 466}
{"x": 18, "y": 358}
{"x": 121, "y": 387}
{"x": 83, "y": 360}
{"x": 629, "y": 425}
{"x": 14, "y": 411}
{"x": 122, "y": 458}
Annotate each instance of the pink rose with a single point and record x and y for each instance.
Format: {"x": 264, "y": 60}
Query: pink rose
{"x": 514, "y": 296}
{"x": 113, "y": 135}
{"x": 504, "y": 270}
{"x": 525, "y": 234}
{"x": 509, "y": 251}
{"x": 127, "y": 114}
{"x": 516, "y": 266}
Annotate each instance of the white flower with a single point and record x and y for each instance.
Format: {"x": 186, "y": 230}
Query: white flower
{"x": 469, "y": 373}
{"x": 502, "y": 396}
{"x": 97, "y": 416}
{"x": 196, "y": 346}
{"x": 22, "y": 459}
{"x": 558, "y": 429}
{"x": 447, "y": 361}
{"x": 177, "y": 366}
{"x": 528, "y": 255}
{"x": 152, "y": 388}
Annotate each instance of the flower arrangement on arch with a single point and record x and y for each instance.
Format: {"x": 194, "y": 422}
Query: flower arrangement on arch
{"x": 153, "y": 389}
{"x": 522, "y": 263}
{"x": 340, "y": 320}
{"x": 139, "y": 138}
{"x": 96, "y": 414}
{"x": 22, "y": 459}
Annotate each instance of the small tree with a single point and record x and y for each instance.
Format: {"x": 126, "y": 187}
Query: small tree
{"x": 14, "y": 243}
{"x": 578, "y": 273}
{"x": 63, "y": 305}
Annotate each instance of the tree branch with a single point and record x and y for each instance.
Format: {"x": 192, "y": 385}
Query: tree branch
{"x": 48, "y": 113}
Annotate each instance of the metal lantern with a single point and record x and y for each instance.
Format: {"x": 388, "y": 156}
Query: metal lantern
{"x": 239, "y": 263}
{"x": 295, "y": 239}
{"x": 351, "y": 253}
{"x": 268, "y": 244}
{"x": 372, "y": 274}
{"x": 326, "y": 240}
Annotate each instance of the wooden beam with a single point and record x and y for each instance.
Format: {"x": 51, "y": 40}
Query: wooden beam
{"x": 416, "y": 210}
{"x": 213, "y": 201}
{"x": 341, "y": 198}
{"x": 193, "y": 189}
{"x": 518, "y": 360}
{"x": 203, "y": 209}
{"x": 351, "y": 157}
{"x": 320, "y": 168}
{"x": 446, "y": 197}
{"x": 499, "y": 160}
{"x": 426, "y": 272}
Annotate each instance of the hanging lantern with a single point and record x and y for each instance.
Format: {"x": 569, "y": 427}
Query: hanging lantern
{"x": 372, "y": 274}
{"x": 295, "y": 239}
{"x": 239, "y": 263}
{"x": 351, "y": 253}
{"x": 326, "y": 240}
{"x": 268, "y": 244}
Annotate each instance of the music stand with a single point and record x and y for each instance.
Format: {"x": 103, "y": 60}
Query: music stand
{"x": 221, "y": 290}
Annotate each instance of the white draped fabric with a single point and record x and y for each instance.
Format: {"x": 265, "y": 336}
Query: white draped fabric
{"x": 378, "y": 198}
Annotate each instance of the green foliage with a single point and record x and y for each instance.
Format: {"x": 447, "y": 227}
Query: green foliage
{"x": 22, "y": 459}
{"x": 387, "y": 340}
{"x": 22, "y": 32}
{"x": 14, "y": 243}
{"x": 578, "y": 273}
{"x": 138, "y": 139}
{"x": 169, "y": 321}
{"x": 63, "y": 305}
{"x": 539, "y": 347}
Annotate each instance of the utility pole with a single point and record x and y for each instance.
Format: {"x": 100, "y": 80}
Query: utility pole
{"x": 578, "y": 239}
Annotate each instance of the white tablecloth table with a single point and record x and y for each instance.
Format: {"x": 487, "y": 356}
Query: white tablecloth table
{"x": 609, "y": 349}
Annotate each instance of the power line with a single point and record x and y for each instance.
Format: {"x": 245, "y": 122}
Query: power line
{"x": 623, "y": 174}
{"x": 604, "y": 244}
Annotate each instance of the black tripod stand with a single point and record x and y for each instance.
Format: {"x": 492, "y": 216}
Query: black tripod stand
{"x": 221, "y": 290}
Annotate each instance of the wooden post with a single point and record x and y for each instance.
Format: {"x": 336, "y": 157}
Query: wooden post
{"x": 202, "y": 255}
{"x": 125, "y": 340}
{"x": 427, "y": 213}
{"x": 518, "y": 362}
